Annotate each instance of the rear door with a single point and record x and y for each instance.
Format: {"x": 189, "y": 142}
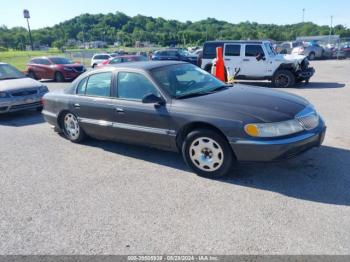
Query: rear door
{"x": 232, "y": 57}
{"x": 250, "y": 66}
{"x": 135, "y": 121}
{"x": 94, "y": 106}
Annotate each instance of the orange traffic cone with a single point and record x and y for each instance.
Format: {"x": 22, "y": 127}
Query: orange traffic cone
{"x": 220, "y": 65}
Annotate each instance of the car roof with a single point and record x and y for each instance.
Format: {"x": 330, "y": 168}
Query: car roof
{"x": 142, "y": 65}
{"x": 102, "y": 54}
{"x": 239, "y": 41}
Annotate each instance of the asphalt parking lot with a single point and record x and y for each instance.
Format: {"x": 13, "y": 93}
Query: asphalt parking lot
{"x": 108, "y": 198}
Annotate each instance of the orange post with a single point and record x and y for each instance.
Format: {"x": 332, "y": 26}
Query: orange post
{"x": 220, "y": 65}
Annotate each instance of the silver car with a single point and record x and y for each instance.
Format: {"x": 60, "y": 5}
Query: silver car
{"x": 311, "y": 50}
{"x": 18, "y": 92}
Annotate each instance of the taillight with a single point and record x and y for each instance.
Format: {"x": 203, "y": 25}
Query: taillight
{"x": 42, "y": 101}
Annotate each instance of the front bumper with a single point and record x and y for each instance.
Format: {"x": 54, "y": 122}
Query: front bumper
{"x": 70, "y": 75}
{"x": 20, "y": 103}
{"x": 306, "y": 73}
{"x": 273, "y": 150}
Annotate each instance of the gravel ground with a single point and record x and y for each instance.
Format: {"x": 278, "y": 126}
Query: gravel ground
{"x": 108, "y": 198}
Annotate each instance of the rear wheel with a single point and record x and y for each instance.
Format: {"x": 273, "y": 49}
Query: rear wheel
{"x": 59, "y": 77}
{"x": 283, "y": 79}
{"x": 71, "y": 128}
{"x": 207, "y": 153}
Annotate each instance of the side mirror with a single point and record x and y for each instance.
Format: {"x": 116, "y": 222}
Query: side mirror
{"x": 260, "y": 57}
{"x": 153, "y": 99}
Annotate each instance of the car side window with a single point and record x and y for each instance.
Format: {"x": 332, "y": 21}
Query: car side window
{"x": 44, "y": 62}
{"x": 82, "y": 86}
{"x": 99, "y": 84}
{"x": 232, "y": 50}
{"x": 134, "y": 86}
{"x": 253, "y": 50}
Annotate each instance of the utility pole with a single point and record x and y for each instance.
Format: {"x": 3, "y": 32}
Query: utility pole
{"x": 330, "y": 29}
{"x": 26, "y": 15}
{"x": 303, "y": 15}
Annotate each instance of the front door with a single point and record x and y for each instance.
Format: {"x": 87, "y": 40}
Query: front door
{"x": 135, "y": 121}
{"x": 250, "y": 66}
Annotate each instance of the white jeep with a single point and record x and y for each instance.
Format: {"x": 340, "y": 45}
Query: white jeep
{"x": 257, "y": 60}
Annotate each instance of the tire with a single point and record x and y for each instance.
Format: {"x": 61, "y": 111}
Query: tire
{"x": 283, "y": 79}
{"x": 93, "y": 66}
{"x": 59, "y": 77}
{"x": 208, "y": 68}
{"x": 312, "y": 56}
{"x": 39, "y": 109}
{"x": 71, "y": 128}
{"x": 207, "y": 153}
{"x": 32, "y": 75}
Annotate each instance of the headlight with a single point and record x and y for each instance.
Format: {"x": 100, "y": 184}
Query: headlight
{"x": 4, "y": 95}
{"x": 273, "y": 129}
{"x": 67, "y": 68}
{"x": 43, "y": 89}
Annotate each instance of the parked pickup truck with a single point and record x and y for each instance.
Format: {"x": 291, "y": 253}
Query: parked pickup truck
{"x": 257, "y": 60}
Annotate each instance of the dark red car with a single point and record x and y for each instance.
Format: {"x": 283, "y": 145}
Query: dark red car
{"x": 56, "y": 68}
{"x": 123, "y": 59}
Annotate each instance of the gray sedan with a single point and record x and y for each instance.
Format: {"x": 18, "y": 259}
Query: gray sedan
{"x": 178, "y": 106}
{"x": 18, "y": 92}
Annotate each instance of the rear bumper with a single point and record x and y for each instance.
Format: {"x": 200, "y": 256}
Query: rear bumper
{"x": 274, "y": 150}
{"x": 50, "y": 118}
{"x": 21, "y": 103}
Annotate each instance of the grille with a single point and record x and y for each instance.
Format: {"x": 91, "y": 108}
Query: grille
{"x": 310, "y": 121}
{"x": 25, "y": 93}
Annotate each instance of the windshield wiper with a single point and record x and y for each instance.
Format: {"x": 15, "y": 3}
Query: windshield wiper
{"x": 8, "y": 78}
{"x": 202, "y": 93}
{"x": 192, "y": 95}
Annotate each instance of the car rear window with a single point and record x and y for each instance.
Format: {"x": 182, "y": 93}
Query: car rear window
{"x": 102, "y": 57}
{"x": 209, "y": 51}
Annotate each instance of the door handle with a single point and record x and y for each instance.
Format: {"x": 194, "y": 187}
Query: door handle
{"x": 119, "y": 110}
{"x": 246, "y": 60}
{"x": 227, "y": 59}
{"x": 76, "y": 105}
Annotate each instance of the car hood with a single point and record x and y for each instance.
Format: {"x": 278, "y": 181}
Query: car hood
{"x": 21, "y": 83}
{"x": 72, "y": 65}
{"x": 290, "y": 58}
{"x": 245, "y": 103}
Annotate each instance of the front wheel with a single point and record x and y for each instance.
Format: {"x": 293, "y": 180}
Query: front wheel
{"x": 71, "y": 128}
{"x": 207, "y": 153}
{"x": 59, "y": 77}
{"x": 283, "y": 79}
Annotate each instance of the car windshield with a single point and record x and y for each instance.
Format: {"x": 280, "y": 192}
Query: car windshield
{"x": 61, "y": 61}
{"x": 270, "y": 50}
{"x": 184, "y": 80}
{"x": 9, "y": 72}
{"x": 184, "y": 52}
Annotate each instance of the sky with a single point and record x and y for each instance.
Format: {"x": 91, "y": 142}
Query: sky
{"x": 49, "y": 12}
